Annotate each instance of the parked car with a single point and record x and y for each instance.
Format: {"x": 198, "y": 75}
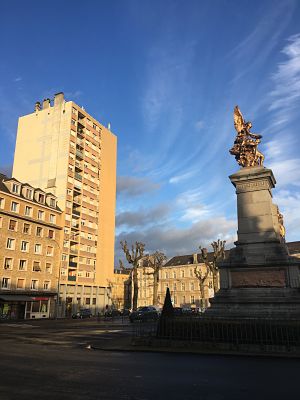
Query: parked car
{"x": 112, "y": 313}
{"x": 144, "y": 314}
{"x": 82, "y": 313}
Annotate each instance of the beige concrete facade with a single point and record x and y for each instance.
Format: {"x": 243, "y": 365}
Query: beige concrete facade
{"x": 178, "y": 275}
{"x": 63, "y": 149}
{"x": 30, "y": 231}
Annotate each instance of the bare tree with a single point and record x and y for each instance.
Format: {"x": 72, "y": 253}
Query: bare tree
{"x": 133, "y": 257}
{"x": 211, "y": 267}
{"x": 155, "y": 262}
{"x": 202, "y": 278}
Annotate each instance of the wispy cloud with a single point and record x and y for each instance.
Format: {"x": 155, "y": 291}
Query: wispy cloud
{"x": 286, "y": 94}
{"x": 18, "y": 79}
{"x": 143, "y": 217}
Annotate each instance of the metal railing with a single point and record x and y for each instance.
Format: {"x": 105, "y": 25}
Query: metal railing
{"x": 246, "y": 331}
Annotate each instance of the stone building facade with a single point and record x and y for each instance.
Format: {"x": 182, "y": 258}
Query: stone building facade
{"x": 120, "y": 290}
{"x": 30, "y": 231}
{"x": 179, "y": 276}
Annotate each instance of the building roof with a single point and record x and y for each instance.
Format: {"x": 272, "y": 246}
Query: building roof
{"x": 5, "y": 189}
{"x": 294, "y": 248}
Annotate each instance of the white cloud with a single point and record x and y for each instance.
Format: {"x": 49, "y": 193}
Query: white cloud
{"x": 17, "y": 79}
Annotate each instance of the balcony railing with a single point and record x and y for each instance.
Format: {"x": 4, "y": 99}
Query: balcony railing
{"x": 73, "y": 250}
{"x": 78, "y": 176}
{"x": 79, "y": 154}
{"x": 71, "y": 278}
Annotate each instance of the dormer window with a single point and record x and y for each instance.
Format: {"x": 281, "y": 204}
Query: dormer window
{"x": 41, "y": 198}
{"x": 15, "y": 188}
{"x": 28, "y": 194}
{"x": 52, "y": 202}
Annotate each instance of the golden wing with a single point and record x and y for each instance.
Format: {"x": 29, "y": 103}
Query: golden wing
{"x": 238, "y": 119}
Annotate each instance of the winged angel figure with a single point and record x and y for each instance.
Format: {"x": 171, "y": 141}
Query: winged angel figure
{"x": 245, "y": 145}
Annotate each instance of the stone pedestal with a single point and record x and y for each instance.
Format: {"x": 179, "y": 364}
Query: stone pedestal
{"x": 259, "y": 278}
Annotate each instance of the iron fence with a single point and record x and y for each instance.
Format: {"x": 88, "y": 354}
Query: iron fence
{"x": 238, "y": 332}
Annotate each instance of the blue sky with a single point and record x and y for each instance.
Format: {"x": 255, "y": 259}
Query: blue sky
{"x": 166, "y": 75}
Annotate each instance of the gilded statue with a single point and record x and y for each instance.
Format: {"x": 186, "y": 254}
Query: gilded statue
{"x": 245, "y": 145}
{"x": 281, "y": 224}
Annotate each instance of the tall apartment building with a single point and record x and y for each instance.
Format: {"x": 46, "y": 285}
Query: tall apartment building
{"x": 64, "y": 150}
{"x": 29, "y": 251}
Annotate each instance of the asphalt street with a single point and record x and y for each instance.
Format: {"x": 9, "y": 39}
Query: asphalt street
{"x": 52, "y": 360}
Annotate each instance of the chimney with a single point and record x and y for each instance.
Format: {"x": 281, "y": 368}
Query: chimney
{"x": 58, "y": 98}
{"x": 37, "y": 106}
{"x": 195, "y": 258}
{"x": 46, "y": 103}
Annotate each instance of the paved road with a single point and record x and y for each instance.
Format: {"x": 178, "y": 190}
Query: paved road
{"x": 38, "y": 362}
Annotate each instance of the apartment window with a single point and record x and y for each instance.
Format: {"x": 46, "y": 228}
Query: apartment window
{"x": 20, "y": 283}
{"x": 73, "y": 122}
{"x": 210, "y": 285}
{"x": 5, "y": 283}
{"x": 24, "y": 246}
{"x": 8, "y": 263}
{"x": 39, "y": 231}
{"x": 41, "y": 215}
{"x": 12, "y": 225}
{"x": 10, "y": 244}
{"x": 28, "y": 194}
{"x": 87, "y": 274}
{"x": 46, "y": 285}
{"x": 36, "y": 266}
{"x": 64, "y": 257}
{"x": 88, "y": 249}
{"x": 166, "y": 275}
{"x": 183, "y": 286}
{"x": 192, "y": 299}
{"x": 38, "y": 248}
{"x": 26, "y": 228}
{"x": 34, "y": 284}
{"x": 49, "y": 251}
{"x": 191, "y": 273}
{"x": 48, "y": 268}
{"x": 192, "y": 286}
{"x": 183, "y": 299}
{"x": 175, "y": 300}
{"x": 15, "y": 188}
{"x": 87, "y": 301}
{"x": 63, "y": 272}
{"x": 22, "y": 265}
{"x": 174, "y": 275}
{"x": 182, "y": 274}
{"x": 52, "y": 218}
{"x": 50, "y": 234}
{"x": 1, "y": 202}
{"x": 175, "y": 286}
{"x": 14, "y": 206}
{"x": 28, "y": 211}
{"x": 94, "y": 301}
{"x": 52, "y": 202}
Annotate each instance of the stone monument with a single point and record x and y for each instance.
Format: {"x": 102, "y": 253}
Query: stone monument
{"x": 258, "y": 279}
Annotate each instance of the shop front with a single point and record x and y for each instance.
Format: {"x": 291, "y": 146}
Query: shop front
{"x": 13, "y": 307}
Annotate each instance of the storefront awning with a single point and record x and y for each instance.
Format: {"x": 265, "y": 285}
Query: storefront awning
{"x": 15, "y": 297}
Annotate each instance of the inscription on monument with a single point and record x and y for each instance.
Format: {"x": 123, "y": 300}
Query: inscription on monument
{"x": 251, "y": 186}
{"x": 267, "y": 278}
